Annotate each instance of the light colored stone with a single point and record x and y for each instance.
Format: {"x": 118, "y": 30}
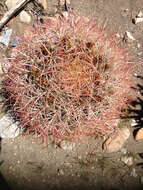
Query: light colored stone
{"x": 8, "y": 129}
{"x": 65, "y": 15}
{"x": 25, "y": 17}
{"x": 137, "y": 20}
{"x": 118, "y": 35}
{"x": 128, "y": 160}
{"x": 116, "y": 141}
{"x": 60, "y": 172}
{"x": 140, "y": 14}
{"x": 138, "y": 45}
{"x": 128, "y": 37}
{"x": 124, "y": 151}
{"x": 66, "y": 145}
{"x": 139, "y": 134}
{"x": 5, "y": 37}
{"x": 133, "y": 123}
{"x": 133, "y": 173}
{"x": 10, "y": 3}
{"x": 43, "y": 3}
{"x": 68, "y": 1}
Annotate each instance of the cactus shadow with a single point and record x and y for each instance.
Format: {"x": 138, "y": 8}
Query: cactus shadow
{"x": 3, "y": 183}
{"x": 135, "y": 110}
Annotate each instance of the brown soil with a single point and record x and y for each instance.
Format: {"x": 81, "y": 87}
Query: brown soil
{"x": 26, "y": 164}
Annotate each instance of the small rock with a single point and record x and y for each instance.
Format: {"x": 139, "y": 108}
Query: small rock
{"x": 134, "y": 123}
{"x": 5, "y": 37}
{"x": 10, "y": 3}
{"x": 125, "y": 12}
{"x": 124, "y": 151}
{"x": 128, "y": 160}
{"x": 78, "y": 175}
{"x": 128, "y": 37}
{"x": 139, "y": 134}
{"x": 60, "y": 172}
{"x": 15, "y": 41}
{"x": 138, "y": 45}
{"x": 140, "y": 14}
{"x": 139, "y": 54}
{"x": 133, "y": 173}
{"x": 43, "y": 3}
{"x": 137, "y": 20}
{"x": 65, "y": 15}
{"x": 8, "y": 129}
{"x": 115, "y": 142}
{"x": 66, "y": 145}
{"x": 25, "y": 17}
{"x": 118, "y": 35}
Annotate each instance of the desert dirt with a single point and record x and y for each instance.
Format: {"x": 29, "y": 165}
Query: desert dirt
{"x": 27, "y": 164}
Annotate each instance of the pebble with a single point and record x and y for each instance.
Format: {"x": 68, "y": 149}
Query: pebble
{"x": 138, "y": 18}
{"x": 25, "y": 17}
{"x": 139, "y": 134}
{"x": 140, "y": 14}
{"x": 118, "y": 35}
{"x": 60, "y": 172}
{"x": 133, "y": 123}
{"x": 139, "y": 54}
{"x": 116, "y": 141}
{"x": 15, "y": 41}
{"x": 8, "y": 129}
{"x": 138, "y": 45}
{"x": 5, "y": 37}
{"x": 128, "y": 160}
{"x": 125, "y": 12}
{"x": 65, "y": 15}
{"x": 124, "y": 151}
{"x": 128, "y": 37}
{"x": 78, "y": 175}
{"x": 66, "y": 145}
{"x": 133, "y": 173}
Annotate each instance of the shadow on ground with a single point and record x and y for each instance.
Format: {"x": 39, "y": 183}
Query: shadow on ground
{"x": 136, "y": 109}
{"x": 3, "y": 183}
{"x": 77, "y": 188}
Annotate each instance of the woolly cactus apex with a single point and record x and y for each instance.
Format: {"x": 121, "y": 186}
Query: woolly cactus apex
{"x": 68, "y": 79}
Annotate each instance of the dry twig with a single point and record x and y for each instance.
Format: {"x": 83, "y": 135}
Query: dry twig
{"x": 20, "y": 4}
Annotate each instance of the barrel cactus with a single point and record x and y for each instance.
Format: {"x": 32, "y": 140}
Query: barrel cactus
{"x": 68, "y": 79}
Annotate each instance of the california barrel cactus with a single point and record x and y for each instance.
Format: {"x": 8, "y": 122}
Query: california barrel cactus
{"x": 68, "y": 79}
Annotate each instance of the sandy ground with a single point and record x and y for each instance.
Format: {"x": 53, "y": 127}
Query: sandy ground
{"x": 26, "y": 164}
